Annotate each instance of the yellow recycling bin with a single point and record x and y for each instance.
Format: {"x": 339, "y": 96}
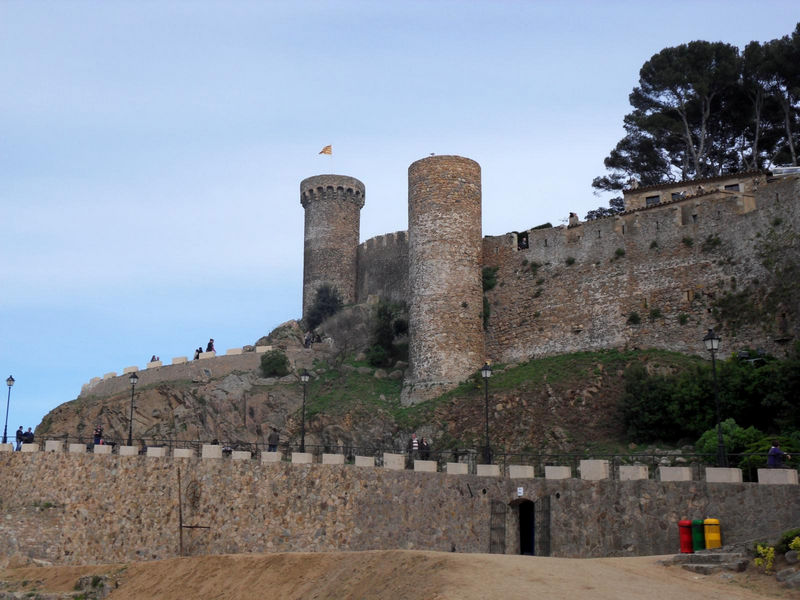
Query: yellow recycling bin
{"x": 712, "y": 533}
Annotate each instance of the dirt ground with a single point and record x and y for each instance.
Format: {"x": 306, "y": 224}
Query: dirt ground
{"x": 396, "y": 574}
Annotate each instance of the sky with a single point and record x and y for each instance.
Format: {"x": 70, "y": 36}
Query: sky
{"x": 151, "y": 152}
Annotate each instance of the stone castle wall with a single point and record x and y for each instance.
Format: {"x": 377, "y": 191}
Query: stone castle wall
{"x": 83, "y": 508}
{"x": 575, "y": 288}
{"x": 383, "y": 268}
{"x": 444, "y": 275}
{"x": 332, "y": 205}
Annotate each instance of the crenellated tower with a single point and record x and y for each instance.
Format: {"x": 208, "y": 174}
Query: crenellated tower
{"x": 332, "y": 206}
{"x": 446, "y": 342}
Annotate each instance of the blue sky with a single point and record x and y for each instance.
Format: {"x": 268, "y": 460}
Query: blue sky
{"x": 151, "y": 151}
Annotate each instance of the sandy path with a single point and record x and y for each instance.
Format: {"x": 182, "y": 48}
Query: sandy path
{"x": 401, "y": 574}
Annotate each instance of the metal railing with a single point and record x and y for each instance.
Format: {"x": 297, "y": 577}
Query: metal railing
{"x": 697, "y": 462}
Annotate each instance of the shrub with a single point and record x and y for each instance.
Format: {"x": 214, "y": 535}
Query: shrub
{"x": 327, "y": 302}
{"x": 489, "y": 277}
{"x": 795, "y": 544}
{"x": 683, "y": 318}
{"x": 655, "y": 313}
{"x": 619, "y": 252}
{"x": 711, "y": 242}
{"x": 653, "y": 244}
{"x": 765, "y": 558}
{"x": 570, "y": 261}
{"x": 274, "y": 364}
{"x": 377, "y": 356}
{"x": 634, "y": 318}
{"x": 688, "y": 242}
{"x": 786, "y": 540}
{"x": 535, "y": 267}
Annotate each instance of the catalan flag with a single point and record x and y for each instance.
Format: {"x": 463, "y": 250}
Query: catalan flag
{"x": 327, "y": 150}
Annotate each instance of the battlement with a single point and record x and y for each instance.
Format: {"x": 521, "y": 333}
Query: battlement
{"x": 387, "y": 240}
{"x": 332, "y": 187}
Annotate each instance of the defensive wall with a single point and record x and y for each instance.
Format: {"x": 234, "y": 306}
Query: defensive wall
{"x": 76, "y": 508}
{"x": 383, "y": 268}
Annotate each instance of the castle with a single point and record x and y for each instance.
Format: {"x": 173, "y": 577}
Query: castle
{"x": 680, "y": 259}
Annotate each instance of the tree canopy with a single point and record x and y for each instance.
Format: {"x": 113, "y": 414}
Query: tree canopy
{"x": 705, "y": 109}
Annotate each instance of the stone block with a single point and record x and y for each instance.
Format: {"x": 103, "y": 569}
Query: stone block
{"x": 6, "y": 447}
{"x": 557, "y": 472}
{"x": 520, "y": 472}
{"x": 594, "y": 470}
{"x": 156, "y": 451}
{"x": 487, "y": 470}
{"x": 674, "y": 473}
{"x": 457, "y": 468}
{"x": 30, "y": 447}
{"x": 77, "y": 449}
{"x": 365, "y": 461}
{"x": 233, "y": 351}
{"x": 261, "y": 349}
{"x": 179, "y": 360}
{"x": 241, "y": 455}
{"x": 211, "y": 354}
{"x": 271, "y": 457}
{"x": 128, "y": 451}
{"x": 395, "y": 462}
{"x": 777, "y": 476}
{"x": 102, "y": 449}
{"x": 53, "y": 446}
{"x": 183, "y": 453}
{"x": 110, "y": 374}
{"x": 333, "y": 459}
{"x": 722, "y": 475}
{"x": 302, "y": 458}
{"x": 425, "y": 466}
{"x": 127, "y": 370}
{"x": 633, "y": 472}
{"x": 153, "y": 364}
{"x": 211, "y": 451}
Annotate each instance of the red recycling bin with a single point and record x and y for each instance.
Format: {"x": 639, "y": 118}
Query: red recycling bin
{"x": 685, "y": 530}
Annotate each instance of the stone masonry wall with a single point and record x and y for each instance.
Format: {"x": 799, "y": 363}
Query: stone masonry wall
{"x": 575, "y": 288}
{"x": 444, "y": 275}
{"x": 332, "y": 205}
{"x": 77, "y": 509}
{"x": 383, "y": 268}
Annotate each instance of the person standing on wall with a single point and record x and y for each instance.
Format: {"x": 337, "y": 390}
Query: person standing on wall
{"x": 20, "y": 437}
{"x": 210, "y": 347}
{"x": 272, "y": 440}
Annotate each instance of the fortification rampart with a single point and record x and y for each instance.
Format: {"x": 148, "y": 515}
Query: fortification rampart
{"x": 79, "y": 508}
{"x": 383, "y": 268}
{"x": 651, "y": 278}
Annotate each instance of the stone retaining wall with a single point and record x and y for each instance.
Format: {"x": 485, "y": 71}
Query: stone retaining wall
{"x": 79, "y": 508}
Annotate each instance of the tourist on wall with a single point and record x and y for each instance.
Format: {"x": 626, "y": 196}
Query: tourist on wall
{"x": 413, "y": 447}
{"x": 198, "y": 352}
{"x": 20, "y": 437}
{"x": 776, "y": 456}
{"x": 27, "y": 437}
{"x": 424, "y": 449}
{"x": 210, "y": 347}
{"x": 272, "y": 440}
{"x": 98, "y": 435}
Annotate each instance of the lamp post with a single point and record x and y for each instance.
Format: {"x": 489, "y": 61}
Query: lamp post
{"x": 134, "y": 379}
{"x": 304, "y": 379}
{"x": 486, "y": 372}
{"x": 711, "y": 341}
{"x": 9, "y": 383}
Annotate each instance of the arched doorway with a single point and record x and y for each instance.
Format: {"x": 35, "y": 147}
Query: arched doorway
{"x": 527, "y": 528}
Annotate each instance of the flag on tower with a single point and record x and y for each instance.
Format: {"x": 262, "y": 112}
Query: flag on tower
{"x": 327, "y": 150}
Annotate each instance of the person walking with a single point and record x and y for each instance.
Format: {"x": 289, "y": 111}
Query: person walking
{"x": 776, "y": 456}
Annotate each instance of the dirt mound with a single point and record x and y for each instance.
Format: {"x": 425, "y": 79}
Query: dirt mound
{"x": 391, "y": 574}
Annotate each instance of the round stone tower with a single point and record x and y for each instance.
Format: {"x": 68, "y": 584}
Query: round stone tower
{"x": 332, "y": 206}
{"x": 446, "y": 342}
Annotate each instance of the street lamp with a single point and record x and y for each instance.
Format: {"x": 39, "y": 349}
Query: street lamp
{"x": 711, "y": 340}
{"x": 134, "y": 379}
{"x": 9, "y": 383}
{"x": 304, "y": 379}
{"x": 486, "y": 372}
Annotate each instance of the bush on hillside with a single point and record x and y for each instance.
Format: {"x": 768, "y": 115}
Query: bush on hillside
{"x": 274, "y": 364}
{"x": 327, "y": 302}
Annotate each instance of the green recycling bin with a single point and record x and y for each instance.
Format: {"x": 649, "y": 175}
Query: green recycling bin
{"x": 698, "y": 535}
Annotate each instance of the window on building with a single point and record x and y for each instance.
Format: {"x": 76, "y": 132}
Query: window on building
{"x": 651, "y": 200}
{"x": 733, "y": 187}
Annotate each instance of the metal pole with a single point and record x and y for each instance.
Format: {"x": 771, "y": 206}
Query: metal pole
{"x": 722, "y": 458}
{"x": 303, "y": 421}
{"x": 130, "y": 421}
{"x": 5, "y": 427}
{"x": 487, "y": 453}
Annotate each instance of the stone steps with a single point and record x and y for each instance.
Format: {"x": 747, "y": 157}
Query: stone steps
{"x": 707, "y": 562}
